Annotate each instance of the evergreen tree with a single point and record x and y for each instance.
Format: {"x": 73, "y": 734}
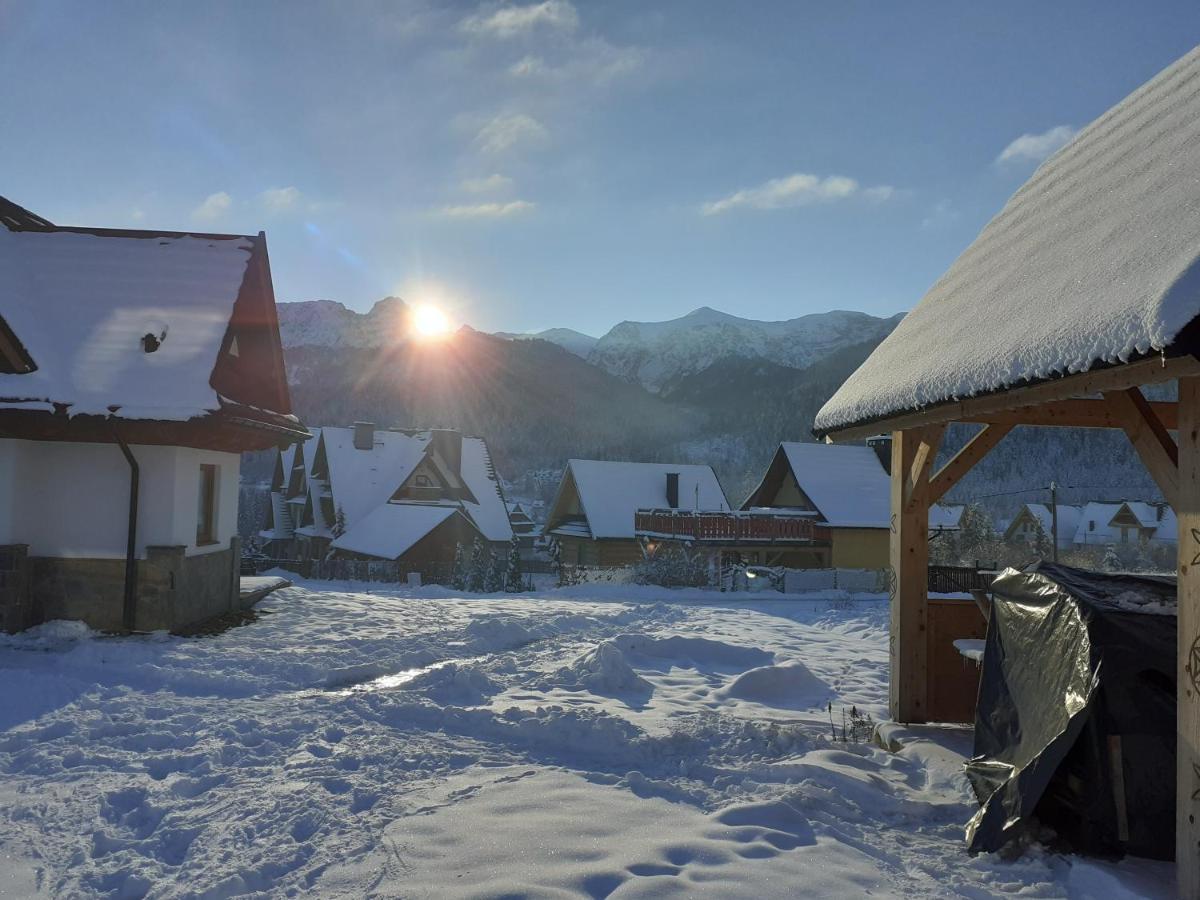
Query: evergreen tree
{"x": 513, "y": 582}
{"x": 1112, "y": 560}
{"x": 494, "y": 582}
{"x": 478, "y": 571}
{"x": 459, "y": 577}
{"x": 1043, "y": 547}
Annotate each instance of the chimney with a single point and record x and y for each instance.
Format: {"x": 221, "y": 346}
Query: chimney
{"x": 364, "y": 435}
{"x": 448, "y": 443}
{"x": 673, "y": 490}
{"x": 882, "y": 445}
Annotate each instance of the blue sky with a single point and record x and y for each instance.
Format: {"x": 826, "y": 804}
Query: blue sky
{"x": 540, "y": 164}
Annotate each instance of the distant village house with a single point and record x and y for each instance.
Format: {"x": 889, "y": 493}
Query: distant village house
{"x": 386, "y": 494}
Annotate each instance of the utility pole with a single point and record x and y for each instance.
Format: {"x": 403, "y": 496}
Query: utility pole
{"x": 1054, "y": 518}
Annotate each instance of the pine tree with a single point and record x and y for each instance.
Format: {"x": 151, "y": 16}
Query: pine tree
{"x": 1042, "y": 545}
{"x": 494, "y": 582}
{"x": 339, "y": 522}
{"x": 513, "y": 582}
{"x": 1112, "y": 561}
{"x": 459, "y": 577}
{"x": 478, "y": 571}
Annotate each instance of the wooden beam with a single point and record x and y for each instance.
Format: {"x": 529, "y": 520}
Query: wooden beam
{"x": 1073, "y": 414}
{"x": 1187, "y": 756}
{"x": 1115, "y": 378}
{"x": 908, "y": 581}
{"x": 1149, "y": 437}
{"x": 972, "y": 452}
{"x": 928, "y": 441}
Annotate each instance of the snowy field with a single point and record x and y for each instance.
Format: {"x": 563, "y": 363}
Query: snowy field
{"x": 594, "y": 742}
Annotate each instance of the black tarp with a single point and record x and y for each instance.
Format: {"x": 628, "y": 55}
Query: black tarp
{"x": 1075, "y": 725}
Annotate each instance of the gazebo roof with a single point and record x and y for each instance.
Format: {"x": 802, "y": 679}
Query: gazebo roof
{"x": 1094, "y": 262}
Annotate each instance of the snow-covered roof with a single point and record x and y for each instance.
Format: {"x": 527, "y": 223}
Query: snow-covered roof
{"x": 81, "y": 303}
{"x": 847, "y": 484}
{"x": 611, "y": 492}
{"x": 363, "y": 479}
{"x": 1094, "y": 260}
{"x": 1095, "y": 525}
{"x": 391, "y": 529}
{"x": 945, "y": 518}
{"x": 1068, "y": 520}
{"x": 489, "y": 514}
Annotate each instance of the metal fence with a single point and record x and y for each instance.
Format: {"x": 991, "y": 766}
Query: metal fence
{"x": 379, "y": 570}
{"x": 958, "y": 579}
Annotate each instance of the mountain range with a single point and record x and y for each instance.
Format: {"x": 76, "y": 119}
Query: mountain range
{"x": 655, "y": 355}
{"x": 706, "y": 387}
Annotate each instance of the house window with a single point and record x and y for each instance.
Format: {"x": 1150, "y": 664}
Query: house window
{"x": 206, "y": 508}
{"x": 423, "y": 481}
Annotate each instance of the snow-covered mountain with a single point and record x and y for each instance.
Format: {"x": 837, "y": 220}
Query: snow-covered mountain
{"x": 568, "y": 338}
{"x": 657, "y": 354}
{"x": 327, "y": 323}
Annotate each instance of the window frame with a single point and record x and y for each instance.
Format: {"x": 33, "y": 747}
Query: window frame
{"x": 206, "y": 505}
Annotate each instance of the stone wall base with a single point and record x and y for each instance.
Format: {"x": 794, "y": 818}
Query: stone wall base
{"x": 174, "y": 590}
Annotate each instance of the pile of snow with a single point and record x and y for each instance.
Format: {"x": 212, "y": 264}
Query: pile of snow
{"x": 453, "y": 684}
{"x": 691, "y": 650}
{"x": 787, "y": 686}
{"x": 604, "y": 670}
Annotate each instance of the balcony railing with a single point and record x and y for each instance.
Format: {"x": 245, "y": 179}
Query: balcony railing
{"x": 730, "y": 527}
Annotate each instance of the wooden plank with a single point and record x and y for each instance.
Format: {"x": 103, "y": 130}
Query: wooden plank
{"x": 1115, "y": 378}
{"x": 958, "y": 465}
{"x": 1149, "y": 437}
{"x": 1081, "y": 413}
{"x": 929, "y": 440}
{"x": 1187, "y": 760}
{"x": 909, "y": 557}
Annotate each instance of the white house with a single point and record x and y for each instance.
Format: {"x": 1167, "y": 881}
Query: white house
{"x": 135, "y": 367}
{"x": 1126, "y": 522}
{"x": 1025, "y": 524}
{"x": 394, "y": 494}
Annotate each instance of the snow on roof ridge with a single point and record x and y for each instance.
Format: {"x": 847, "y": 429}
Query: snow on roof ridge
{"x": 1092, "y": 261}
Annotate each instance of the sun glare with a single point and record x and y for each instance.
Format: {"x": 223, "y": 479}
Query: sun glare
{"x": 429, "y": 322}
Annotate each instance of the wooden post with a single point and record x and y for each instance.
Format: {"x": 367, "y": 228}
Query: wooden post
{"x": 1187, "y": 763}
{"x": 913, "y": 453}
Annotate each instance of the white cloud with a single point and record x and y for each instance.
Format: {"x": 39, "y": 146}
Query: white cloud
{"x": 280, "y": 199}
{"x": 495, "y": 182}
{"x": 592, "y": 60}
{"x": 514, "y": 21}
{"x": 1036, "y": 147}
{"x": 488, "y": 210}
{"x": 214, "y": 207}
{"x": 800, "y": 189}
{"x": 508, "y": 130}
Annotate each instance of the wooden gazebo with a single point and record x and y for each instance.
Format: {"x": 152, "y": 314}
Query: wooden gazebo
{"x": 1084, "y": 289}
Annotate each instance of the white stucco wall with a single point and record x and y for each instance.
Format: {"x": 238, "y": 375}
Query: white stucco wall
{"x": 72, "y": 500}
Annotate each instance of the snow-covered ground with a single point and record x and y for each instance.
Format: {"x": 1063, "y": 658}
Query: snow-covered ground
{"x": 600, "y": 741}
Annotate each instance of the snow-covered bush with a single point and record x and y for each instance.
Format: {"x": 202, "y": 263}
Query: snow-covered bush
{"x": 673, "y": 565}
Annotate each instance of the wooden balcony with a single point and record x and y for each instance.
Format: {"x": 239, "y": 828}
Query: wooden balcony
{"x": 734, "y": 527}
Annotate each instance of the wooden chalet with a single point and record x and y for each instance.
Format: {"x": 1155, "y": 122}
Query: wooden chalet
{"x": 135, "y": 367}
{"x": 404, "y": 495}
{"x": 595, "y": 513}
{"x": 1085, "y": 287}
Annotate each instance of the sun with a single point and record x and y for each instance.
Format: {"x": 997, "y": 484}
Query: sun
{"x": 429, "y": 322}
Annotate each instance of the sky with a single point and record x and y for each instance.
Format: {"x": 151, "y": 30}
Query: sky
{"x": 557, "y": 163}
